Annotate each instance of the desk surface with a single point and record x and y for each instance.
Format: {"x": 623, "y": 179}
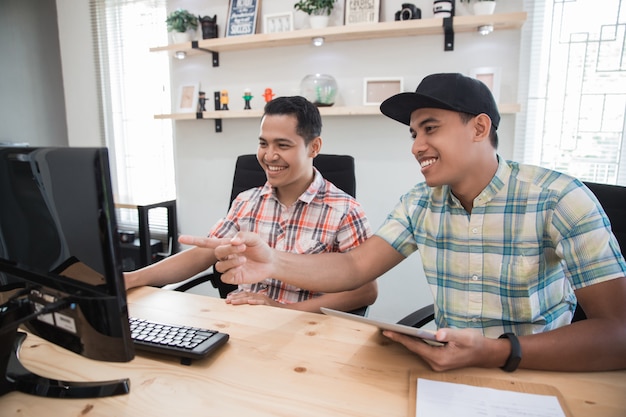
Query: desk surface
{"x": 277, "y": 362}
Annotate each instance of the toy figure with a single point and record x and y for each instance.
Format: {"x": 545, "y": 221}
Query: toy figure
{"x": 247, "y": 96}
{"x": 209, "y": 26}
{"x": 201, "y": 101}
{"x": 268, "y": 94}
{"x": 224, "y": 99}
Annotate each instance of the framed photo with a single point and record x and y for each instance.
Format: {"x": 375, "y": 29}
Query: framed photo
{"x": 278, "y": 22}
{"x": 188, "y": 98}
{"x": 361, "y": 11}
{"x": 491, "y": 77}
{"x": 242, "y": 17}
{"x": 376, "y": 90}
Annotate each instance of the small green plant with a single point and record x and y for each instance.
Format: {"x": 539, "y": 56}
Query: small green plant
{"x": 315, "y": 7}
{"x": 181, "y": 20}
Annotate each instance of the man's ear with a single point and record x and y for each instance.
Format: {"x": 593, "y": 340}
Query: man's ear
{"x": 315, "y": 146}
{"x": 482, "y": 127}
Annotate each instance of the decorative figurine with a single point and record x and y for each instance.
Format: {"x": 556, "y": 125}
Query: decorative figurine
{"x": 201, "y": 101}
{"x": 247, "y": 96}
{"x": 224, "y": 99}
{"x": 268, "y": 95}
{"x": 209, "y": 26}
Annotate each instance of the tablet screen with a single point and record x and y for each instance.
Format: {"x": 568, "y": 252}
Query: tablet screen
{"x": 427, "y": 335}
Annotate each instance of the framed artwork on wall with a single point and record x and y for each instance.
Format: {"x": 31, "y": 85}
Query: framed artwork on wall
{"x": 376, "y": 90}
{"x": 188, "y": 98}
{"x": 361, "y": 11}
{"x": 242, "y": 17}
{"x": 490, "y": 76}
{"x": 278, "y": 22}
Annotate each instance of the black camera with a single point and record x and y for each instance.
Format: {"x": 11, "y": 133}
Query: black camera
{"x": 408, "y": 12}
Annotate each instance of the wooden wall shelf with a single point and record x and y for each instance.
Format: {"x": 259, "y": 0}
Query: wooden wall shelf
{"x": 379, "y": 30}
{"x": 324, "y": 111}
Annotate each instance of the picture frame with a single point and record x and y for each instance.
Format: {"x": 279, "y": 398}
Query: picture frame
{"x": 188, "y": 97}
{"x": 243, "y": 16}
{"x": 376, "y": 90}
{"x": 361, "y": 11}
{"x": 490, "y": 76}
{"x": 278, "y": 22}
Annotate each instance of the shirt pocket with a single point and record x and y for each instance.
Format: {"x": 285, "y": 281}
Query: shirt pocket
{"x": 520, "y": 286}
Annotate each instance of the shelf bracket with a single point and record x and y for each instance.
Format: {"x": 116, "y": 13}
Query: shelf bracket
{"x": 216, "y": 55}
{"x": 218, "y": 106}
{"x": 448, "y": 31}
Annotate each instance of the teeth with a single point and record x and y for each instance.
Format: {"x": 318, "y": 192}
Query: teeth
{"x": 273, "y": 168}
{"x": 427, "y": 162}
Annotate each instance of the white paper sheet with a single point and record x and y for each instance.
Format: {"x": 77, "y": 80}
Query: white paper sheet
{"x": 438, "y": 399}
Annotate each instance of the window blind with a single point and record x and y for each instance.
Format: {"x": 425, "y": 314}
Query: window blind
{"x": 134, "y": 86}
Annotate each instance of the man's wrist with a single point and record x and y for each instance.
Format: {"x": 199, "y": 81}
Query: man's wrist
{"x": 515, "y": 356}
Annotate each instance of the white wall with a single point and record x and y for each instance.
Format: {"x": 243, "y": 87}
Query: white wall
{"x": 79, "y": 74}
{"x": 385, "y": 167}
{"x": 32, "y": 108}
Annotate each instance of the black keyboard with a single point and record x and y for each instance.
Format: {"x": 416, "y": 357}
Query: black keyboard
{"x": 183, "y": 341}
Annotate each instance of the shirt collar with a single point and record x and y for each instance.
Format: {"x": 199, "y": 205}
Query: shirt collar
{"x": 501, "y": 177}
{"x": 308, "y": 195}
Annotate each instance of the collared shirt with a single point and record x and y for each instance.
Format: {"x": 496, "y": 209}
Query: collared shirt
{"x": 323, "y": 219}
{"x": 533, "y": 236}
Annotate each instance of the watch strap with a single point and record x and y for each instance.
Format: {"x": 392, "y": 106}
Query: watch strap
{"x": 515, "y": 357}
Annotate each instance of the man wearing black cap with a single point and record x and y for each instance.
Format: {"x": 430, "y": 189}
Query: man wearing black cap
{"x": 508, "y": 249}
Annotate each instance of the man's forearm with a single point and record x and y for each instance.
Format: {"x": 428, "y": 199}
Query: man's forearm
{"x": 587, "y": 345}
{"x": 324, "y": 272}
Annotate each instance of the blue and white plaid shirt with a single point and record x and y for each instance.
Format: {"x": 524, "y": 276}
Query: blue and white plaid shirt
{"x": 534, "y": 235}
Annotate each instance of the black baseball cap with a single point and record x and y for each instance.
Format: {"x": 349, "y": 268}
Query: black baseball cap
{"x": 448, "y": 91}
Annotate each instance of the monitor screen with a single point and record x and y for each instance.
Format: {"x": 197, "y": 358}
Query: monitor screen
{"x": 59, "y": 249}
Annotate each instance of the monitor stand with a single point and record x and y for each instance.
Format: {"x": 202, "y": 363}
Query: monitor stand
{"x": 15, "y": 377}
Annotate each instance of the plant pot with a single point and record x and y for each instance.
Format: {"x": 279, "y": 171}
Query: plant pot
{"x": 484, "y": 7}
{"x": 318, "y": 22}
{"x": 181, "y": 37}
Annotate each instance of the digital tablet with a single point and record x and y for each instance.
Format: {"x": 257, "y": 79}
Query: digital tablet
{"x": 425, "y": 334}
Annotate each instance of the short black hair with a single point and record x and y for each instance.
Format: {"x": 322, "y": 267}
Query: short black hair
{"x": 309, "y": 118}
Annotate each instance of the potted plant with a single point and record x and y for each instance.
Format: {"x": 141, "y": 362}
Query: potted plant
{"x": 318, "y": 11}
{"x": 179, "y": 23}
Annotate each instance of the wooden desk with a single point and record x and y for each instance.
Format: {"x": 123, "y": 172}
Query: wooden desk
{"x": 277, "y": 362}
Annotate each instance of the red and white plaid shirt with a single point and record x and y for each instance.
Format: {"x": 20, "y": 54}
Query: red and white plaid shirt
{"x": 323, "y": 219}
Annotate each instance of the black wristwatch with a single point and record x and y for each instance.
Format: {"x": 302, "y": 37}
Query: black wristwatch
{"x": 516, "y": 352}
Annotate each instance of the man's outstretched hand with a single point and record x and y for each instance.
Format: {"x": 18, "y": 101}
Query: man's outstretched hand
{"x": 243, "y": 259}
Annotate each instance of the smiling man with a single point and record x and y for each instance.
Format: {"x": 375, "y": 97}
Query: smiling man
{"x": 297, "y": 211}
{"x": 508, "y": 249}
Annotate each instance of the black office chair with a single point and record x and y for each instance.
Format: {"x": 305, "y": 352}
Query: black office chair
{"x": 611, "y": 197}
{"x": 338, "y": 169}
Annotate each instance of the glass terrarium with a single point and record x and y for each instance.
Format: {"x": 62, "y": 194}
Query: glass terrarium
{"x": 319, "y": 89}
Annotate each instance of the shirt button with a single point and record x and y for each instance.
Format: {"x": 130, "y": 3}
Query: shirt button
{"x": 474, "y": 320}
{"x": 474, "y": 277}
{"x": 475, "y": 230}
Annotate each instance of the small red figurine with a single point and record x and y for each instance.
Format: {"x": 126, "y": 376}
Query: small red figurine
{"x": 268, "y": 94}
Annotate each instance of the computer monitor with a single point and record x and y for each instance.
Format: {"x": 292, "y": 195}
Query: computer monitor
{"x": 60, "y": 268}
